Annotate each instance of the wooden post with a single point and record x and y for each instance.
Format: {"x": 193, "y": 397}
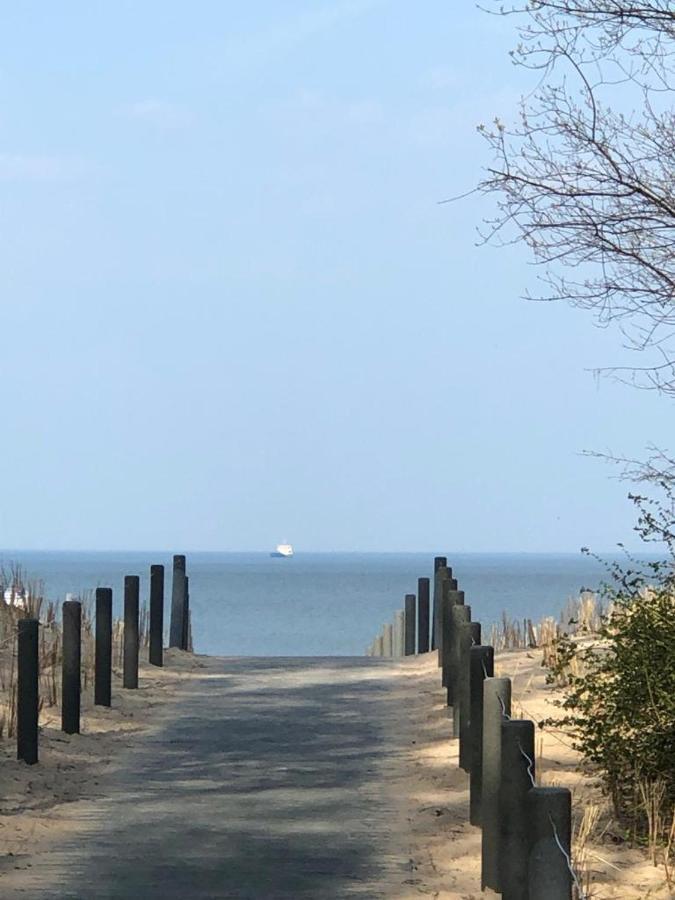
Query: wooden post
{"x": 186, "y": 615}
{"x": 439, "y": 562}
{"x": 469, "y": 637}
{"x": 496, "y": 709}
{"x": 156, "y": 655}
{"x": 388, "y": 640}
{"x": 130, "y": 668}
{"x": 423, "y": 615}
{"x": 451, "y": 598}
{"x": 481, "y": 666}
{"x": 409, "y": 625}
{"x": 549, "y": 813}
{"x": 443, "y": 575}
{"x": 177, "y": 602}
{"x": 461, "y": 615}
{"x": 516, "y": 781}
{"x": 70, "y": 667}
{"x": 103, "y": 649}
{"x": 27, "y": 692}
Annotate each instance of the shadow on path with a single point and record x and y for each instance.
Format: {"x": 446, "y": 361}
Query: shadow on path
{"x": 267, "y": 779}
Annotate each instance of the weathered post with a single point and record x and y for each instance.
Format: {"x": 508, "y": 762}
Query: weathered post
{"x": 496, "y": 708}
{"x": 130, "y": 667}
{"x": 549, "y": 812}
{"x": 423, "y": 615}
{"x": 451, "y": 599}
{"x": 186, "y": 615}
{"x": 177, "y": 602}
{"x": 399, "y": 633}
{"x": 27, "y": 692}
{"x": 516, "y": 781}
{"x": 103, "y": 647}
{"x": 460, "y": 615}
{"x": 409, "y": 625}
{"x": 439, "y": 563}
{"x": 388, "y": 640}
{"x": 481, "y": 666}
{"x": 156, "y": 655}
{"x": 469, "y": 637}
{"x": 379, "y": 649}
{"x": 70, "y": 667}
{"x": 441, "y": 578}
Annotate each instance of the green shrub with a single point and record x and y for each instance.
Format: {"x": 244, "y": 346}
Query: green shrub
{"x": 619, "y": 685}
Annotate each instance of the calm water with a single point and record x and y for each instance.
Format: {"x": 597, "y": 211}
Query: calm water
{"x": 317, "y": 603}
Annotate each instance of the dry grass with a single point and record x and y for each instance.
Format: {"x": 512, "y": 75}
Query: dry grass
{"x": 28, "y": 601}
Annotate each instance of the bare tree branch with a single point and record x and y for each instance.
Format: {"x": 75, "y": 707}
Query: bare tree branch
{"x": 587, "y": 175}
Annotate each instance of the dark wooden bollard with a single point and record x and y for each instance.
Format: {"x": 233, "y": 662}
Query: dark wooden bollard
{"x": 132, "y": 585}
{"x": 461, "y": 614}
{"x": 439, "y": 563}
{"x": 469, "y": 637}
{"x": 441, "y": 579}
{"x": 103, "y": 650}
{"x": 517, "y": 744}
{"x": 176, "y": 628}
{"x": 423, "y": 615}
{"x": 186, "y": 615}
{"x": 496, "y": 709}
{"x": 549, "y": 811}
{"x": 156, "y": 655}
{"x": 27, "y": 692}
{"x": 409, "y": 625}
{"x": 70, "y": 671}
{"x": 451, "y": 599}
{"x": 481, "y": 666}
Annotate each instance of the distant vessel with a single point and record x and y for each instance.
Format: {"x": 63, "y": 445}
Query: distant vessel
{"x": 285, "y": 551}
{"x": 15, "y": 595}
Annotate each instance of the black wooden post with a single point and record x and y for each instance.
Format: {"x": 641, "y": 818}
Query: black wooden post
{"x": 176, "y": 628}
{"x": 516, "y": 781}
{"x": 481, "y": 666}
{"x": 496, "y": 708}
{"x": 409, "y": 624}
{"x": 441, "y": 579}
{"x": 130, "y": 668}
{"x": 70, "y": 671}
{"x": 451, "y": 598}
{"x": 186, "y": 615}
{"x": 103, "y": 661}
{"x": 439, "y": 562}
{"x": 549, "y": 812}
{"x": 460, "y": 615}
{"x": 156, "y": 655}
{"x": 27, "y": 692}
{"x": 423, "y": 615}
{"x": 469, "y": 637}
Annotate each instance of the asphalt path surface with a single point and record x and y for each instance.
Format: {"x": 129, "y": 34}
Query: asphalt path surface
{"x": 264, "y": 778}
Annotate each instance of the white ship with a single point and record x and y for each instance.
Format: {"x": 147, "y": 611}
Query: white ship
{"x": 15, "y": 596}
{"x": 285, "y": 551}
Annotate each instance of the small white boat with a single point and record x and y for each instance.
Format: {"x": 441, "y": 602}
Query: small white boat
{"x": 15, "y": 596}
{"x": 283, "y": 551}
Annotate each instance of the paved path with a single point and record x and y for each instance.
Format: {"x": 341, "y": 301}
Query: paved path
{"x": 266, "y": 779}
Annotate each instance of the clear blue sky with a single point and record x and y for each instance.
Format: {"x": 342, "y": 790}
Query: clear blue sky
{"x": 233, "y": 310}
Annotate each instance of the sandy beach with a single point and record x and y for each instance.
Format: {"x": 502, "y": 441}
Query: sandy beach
{"x": 45, "y": 805}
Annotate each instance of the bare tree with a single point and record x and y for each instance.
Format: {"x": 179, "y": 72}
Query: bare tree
{"x": 587, "y": 175}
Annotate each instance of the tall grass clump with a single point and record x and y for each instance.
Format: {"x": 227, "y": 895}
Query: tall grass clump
{"x": 619, "y": 685}
{"x": 22, "y": 598}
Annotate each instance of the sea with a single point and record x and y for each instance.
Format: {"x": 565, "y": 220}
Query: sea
{"x": 316, "y": 604}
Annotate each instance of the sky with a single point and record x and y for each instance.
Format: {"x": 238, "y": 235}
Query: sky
{"x": 235, "y": 311}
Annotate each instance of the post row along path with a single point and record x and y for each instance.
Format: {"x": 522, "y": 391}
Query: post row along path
{"x": 270, "y": 778}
